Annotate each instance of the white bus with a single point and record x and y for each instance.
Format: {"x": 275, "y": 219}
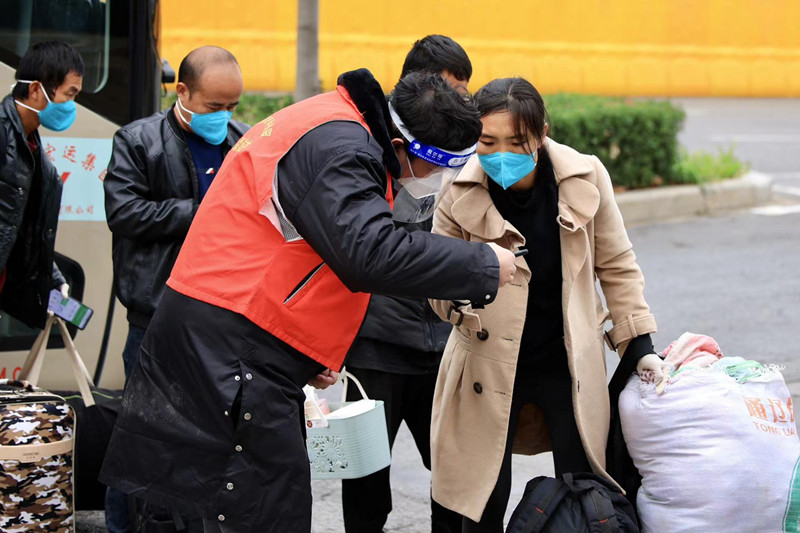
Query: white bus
{"x": 118, "y": 40}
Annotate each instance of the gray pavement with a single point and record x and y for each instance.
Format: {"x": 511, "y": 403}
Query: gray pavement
{"x": 763, "y": 131}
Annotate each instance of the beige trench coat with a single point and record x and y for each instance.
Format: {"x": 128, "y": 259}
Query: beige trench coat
{"x": 472, "y": 401}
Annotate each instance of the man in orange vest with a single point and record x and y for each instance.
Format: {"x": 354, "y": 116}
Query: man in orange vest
{"x": 272, "y": 285}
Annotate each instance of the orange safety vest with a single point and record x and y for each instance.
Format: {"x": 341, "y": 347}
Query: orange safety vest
{"x": 236, "y": 257}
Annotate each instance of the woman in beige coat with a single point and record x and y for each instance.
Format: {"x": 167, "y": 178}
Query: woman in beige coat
{"x": 528, "y": 372}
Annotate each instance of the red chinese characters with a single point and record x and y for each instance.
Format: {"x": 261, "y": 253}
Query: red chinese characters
{"x": 69, "y": 153}
{"x": 49, "y": 150}
{"x": 89, "y": 162}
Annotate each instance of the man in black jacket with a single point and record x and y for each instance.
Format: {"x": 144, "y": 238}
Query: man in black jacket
{"x": 49, "y": 77}
{"x": 401, "y": 369}
{"x": 161, "y": 167}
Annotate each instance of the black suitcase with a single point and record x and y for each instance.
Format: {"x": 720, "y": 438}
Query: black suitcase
{"x": 94, "y": 426}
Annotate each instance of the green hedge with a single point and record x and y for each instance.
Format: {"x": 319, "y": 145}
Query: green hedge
{"x": 635, "y": 139}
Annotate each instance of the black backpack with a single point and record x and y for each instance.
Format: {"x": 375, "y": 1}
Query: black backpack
{"x": 580, "y": 503}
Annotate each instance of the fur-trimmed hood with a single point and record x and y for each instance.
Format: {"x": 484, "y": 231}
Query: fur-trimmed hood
{"x": 368, "y": 96}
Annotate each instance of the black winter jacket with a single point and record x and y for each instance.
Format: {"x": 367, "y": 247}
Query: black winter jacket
{"x": 26, "y": 242}
{"x": 152, "y": 194}
{"x": 418, "y": 334}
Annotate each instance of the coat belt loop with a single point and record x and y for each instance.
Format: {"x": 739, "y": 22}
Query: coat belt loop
{"x": 632, "y": 326}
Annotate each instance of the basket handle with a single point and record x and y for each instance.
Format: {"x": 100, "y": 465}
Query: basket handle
{"x": 347, "y": 376}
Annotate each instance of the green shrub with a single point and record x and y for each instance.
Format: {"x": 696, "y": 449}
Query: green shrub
{"x": 252, "y": 108}
{"x": 702, "y": 167}
{"x": 635, "y": 139}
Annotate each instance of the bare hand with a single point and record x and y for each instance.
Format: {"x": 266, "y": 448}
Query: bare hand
{"x": 506, "y": 260}
{"x": 64, "y": 288}
{"x": 324, "y": 380}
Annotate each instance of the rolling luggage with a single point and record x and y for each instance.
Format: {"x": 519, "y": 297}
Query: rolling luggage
{"x": 37, "y": 431}
{"x": 37, "y": 444}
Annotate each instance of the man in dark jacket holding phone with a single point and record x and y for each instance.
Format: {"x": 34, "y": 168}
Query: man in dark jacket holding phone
{"x": 49, "y": 77}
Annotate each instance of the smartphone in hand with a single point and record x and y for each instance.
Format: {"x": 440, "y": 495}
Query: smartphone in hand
{"x": 69, "y": 309}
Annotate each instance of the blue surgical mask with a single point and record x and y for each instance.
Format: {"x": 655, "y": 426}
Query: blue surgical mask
{"x": 56, "y": 117}
{"x": 213, "y": 127}
{"x": 507, "y": 168}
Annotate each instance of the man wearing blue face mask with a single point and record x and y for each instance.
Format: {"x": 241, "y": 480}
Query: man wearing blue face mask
{"x": 49, "y": 77}
{"x": 161, "y": 168}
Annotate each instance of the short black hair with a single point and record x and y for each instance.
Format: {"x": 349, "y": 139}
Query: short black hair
{"x": 436, "y": 53}
{"x": 519, "y": 97}
{"x": 47, "y": 62}
{"x": 191, "y": 69}
{"x": 434, "y": 112}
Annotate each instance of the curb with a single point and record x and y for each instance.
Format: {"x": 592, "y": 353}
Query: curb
{"x": 684, "y": 201}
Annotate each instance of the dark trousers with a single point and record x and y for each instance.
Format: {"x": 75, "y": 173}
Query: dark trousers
{"x": 367, "y": 501}
{"x": 118, "y": 518}
{"x": 131, "y": 350}
{"x": 548, "y": 386}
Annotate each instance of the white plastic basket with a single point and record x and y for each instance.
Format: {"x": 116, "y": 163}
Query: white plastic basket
{"x": 350, "y": 447}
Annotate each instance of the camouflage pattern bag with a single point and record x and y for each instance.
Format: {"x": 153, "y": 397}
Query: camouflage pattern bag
{"x": 36, "y": 448}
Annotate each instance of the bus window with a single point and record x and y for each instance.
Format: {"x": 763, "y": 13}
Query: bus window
{"x": 81, "y": 23}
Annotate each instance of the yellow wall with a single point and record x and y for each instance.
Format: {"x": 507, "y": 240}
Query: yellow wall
{"x": 625, "y": 47}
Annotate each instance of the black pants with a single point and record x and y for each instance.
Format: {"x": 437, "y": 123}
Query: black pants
{"x": 367, "y": 501}
{"x": 549, "y": 386}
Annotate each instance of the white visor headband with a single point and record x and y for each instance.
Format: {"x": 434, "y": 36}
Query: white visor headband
{"x": 429, "y": 153}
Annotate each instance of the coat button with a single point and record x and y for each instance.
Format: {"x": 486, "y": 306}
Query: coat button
{"x": 248, "y": 376}
{"x": 488, "y": 296}
{"x": 21, "y": 191}
{"x": 229, "y": 486}
{"x": 247, "y": 416}
{"x": 482, "y": 334}
{"x": 477, "y": 387}
{"x": 237, "y": 378}
{"x": 238, "y": 447}
{"x": 221, "y": 518}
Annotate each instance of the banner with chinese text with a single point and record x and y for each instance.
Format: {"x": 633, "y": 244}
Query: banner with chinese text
{"x": 81, "y": 163}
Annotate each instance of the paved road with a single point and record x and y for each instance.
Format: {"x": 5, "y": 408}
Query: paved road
{"x": 764, "y": 132}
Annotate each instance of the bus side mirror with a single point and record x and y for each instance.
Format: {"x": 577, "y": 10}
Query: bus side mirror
{"x": 167, "y": 72}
